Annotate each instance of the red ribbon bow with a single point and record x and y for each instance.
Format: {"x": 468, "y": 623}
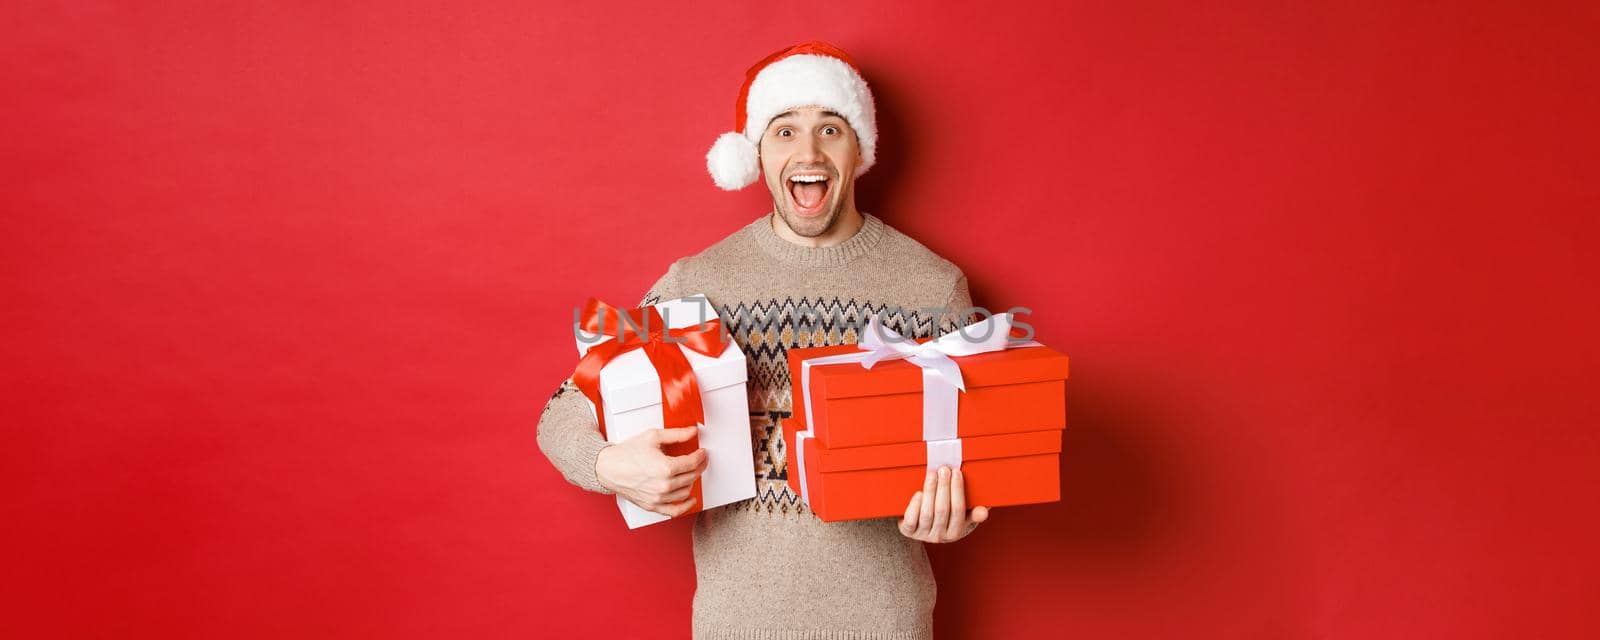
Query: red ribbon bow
{"x": 680, "y": 394}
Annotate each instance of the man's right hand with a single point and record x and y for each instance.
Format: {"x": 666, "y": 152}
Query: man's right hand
{"x": 636, "y": 469}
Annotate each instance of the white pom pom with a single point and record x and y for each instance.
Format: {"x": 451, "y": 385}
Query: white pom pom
{"x": 733, "y": 161}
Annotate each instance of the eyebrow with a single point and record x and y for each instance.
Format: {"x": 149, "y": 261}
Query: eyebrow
{"x": 791, "y": 113}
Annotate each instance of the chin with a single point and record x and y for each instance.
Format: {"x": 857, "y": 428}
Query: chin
{"x": 813, "y": 226}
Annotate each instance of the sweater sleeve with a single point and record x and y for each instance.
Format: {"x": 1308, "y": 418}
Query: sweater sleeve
{"x": 957, "y": 308}
{"x": 568, "y": 433}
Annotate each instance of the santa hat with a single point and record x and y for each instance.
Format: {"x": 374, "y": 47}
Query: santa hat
{"x": 808, "y": 74}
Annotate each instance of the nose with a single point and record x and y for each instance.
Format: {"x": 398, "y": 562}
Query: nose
{"x": 809, "y": 151}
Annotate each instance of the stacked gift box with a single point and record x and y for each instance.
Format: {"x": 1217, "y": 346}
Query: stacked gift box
{"x": 869, "y": 420}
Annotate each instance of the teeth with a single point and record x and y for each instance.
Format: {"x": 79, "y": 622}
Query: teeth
{"x": 808, "y": 179}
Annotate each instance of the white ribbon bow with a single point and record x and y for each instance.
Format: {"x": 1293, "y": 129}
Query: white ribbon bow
{"x": 882, "y": 343}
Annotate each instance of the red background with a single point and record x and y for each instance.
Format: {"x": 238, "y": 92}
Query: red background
{"x": 287, "y": 286}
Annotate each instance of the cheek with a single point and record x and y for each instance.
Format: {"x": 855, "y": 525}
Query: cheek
{"x": 771, "y": 165}
{"x": 844, "y": 151}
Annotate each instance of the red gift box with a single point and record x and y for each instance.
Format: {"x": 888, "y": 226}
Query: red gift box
{"x": 883, "y": 412}
{"x": 878, "y": 481}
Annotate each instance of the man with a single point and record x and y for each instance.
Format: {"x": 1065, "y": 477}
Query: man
{"x": 767, "y": 567}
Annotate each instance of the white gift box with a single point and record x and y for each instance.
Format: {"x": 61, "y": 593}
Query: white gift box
{"x": 631, "y": 393}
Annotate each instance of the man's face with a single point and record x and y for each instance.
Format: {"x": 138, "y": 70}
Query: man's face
{"x": 808, "y": 160}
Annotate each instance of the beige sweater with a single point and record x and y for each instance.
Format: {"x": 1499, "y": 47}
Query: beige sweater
{"x": 767, "y": 567}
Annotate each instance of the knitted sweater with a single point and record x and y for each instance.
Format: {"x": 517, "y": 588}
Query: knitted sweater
{"x": 767, "y": 567}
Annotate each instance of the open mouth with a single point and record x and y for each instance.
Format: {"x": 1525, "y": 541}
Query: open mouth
{"x": 808, "y": 192}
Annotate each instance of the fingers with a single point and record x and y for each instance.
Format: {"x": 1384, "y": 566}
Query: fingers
{"x": 686, "y": 478}
{"x": 676, "y": 495}
{"x": 958, "y": 507}
{"x": 938, "y": 513}
{"x": 925, "y": 517}
{"x": 675, "y": 510}
{"x": 674, "y": 492}
{"x": 687, "y": 463}
{"x": 941, "y": 503}
{"x": 675, "y": 435}
{"x": 908, "y": 524}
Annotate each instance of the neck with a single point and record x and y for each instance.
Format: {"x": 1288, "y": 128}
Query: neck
{"x": 849, "y": 222}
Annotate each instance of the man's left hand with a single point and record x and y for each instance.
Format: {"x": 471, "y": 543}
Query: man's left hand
{"x": 938, "y": 513}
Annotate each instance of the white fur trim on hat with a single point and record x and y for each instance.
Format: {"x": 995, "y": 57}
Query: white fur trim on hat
{"x": 733, "y": 161}
{"x": 796, "y": 81}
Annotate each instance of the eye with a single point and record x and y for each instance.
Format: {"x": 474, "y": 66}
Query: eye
{"x": 830, "y": 130}
{"x": 785, "y": 132}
